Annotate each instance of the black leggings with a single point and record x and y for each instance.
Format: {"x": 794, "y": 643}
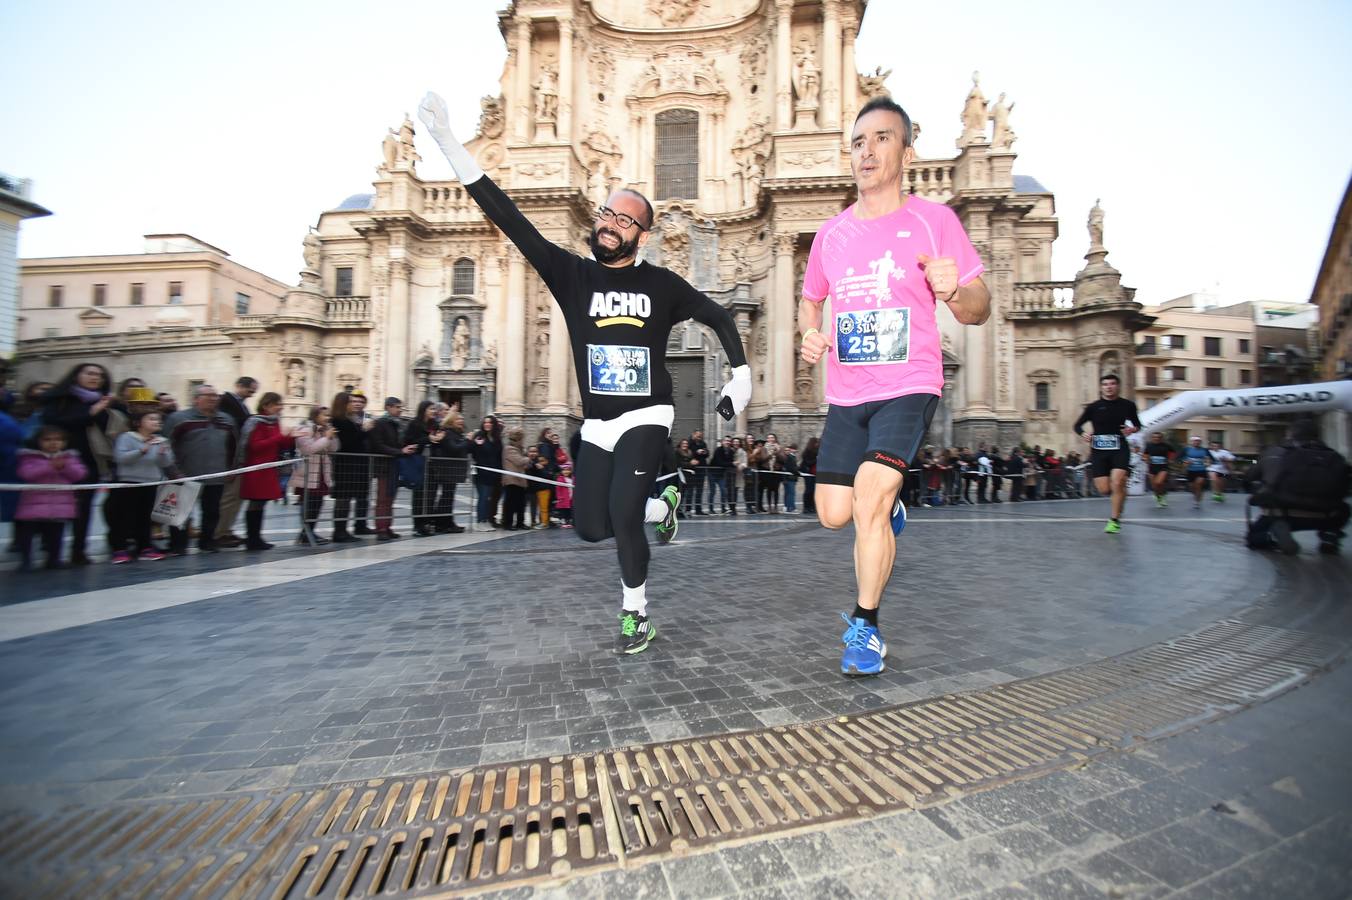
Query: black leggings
{"x": 612, "y": 493}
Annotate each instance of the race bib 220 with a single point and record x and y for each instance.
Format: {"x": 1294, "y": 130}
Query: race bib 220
{"x": 870, "y": 337}
{"x": 618, "y": 369}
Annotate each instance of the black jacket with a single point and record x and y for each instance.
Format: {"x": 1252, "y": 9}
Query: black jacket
{"x": 488, "y": 454}
{"x": 723, "y": 458}
{"x": 235, "y": 408}
{"x": 699, "y": 452}
{"x": 71, "y": 414}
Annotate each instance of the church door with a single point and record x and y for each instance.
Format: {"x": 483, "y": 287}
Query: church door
{"x": 687, "y": 389}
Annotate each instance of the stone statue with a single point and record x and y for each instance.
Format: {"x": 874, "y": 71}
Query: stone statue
{"x": 1096, "y": 226}
{"x": 491, "y": 119}
{"x": 407, "y": 156}
{"x": 389, "y": 149}
{"x": 490, "y": 354}
{"x": 310, "y": 251}
{"x": 542, "y": 350}
{"x": 295, "y": 379}
{"x": 459, "y": 346}
{"x": 872, "y": 85}
{"x": 975, "y": 113}
{"x": 547, "y": 95}
{"x": 809, "y": 79}
{"x": 1002, "y": 137}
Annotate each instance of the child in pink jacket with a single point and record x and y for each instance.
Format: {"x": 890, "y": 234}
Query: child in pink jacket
{"x": 563, "y": 495}
{"x": 46, "y": 513}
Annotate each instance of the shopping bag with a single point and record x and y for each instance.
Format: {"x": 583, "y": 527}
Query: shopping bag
{"x": 412, "y": 469}
{"x": 174, "y": 502}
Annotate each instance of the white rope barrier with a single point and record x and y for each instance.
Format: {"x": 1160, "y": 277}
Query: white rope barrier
{"x": 113, "y": 485}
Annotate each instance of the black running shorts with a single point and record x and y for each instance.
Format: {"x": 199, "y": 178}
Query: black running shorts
{"x": 884, "y": 431}
{"x": 1102, "y": 462}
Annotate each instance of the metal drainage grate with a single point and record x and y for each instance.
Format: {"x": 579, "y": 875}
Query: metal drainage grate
{"x": 495, "y": 826}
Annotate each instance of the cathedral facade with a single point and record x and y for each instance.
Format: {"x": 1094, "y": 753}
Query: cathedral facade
{"x": 733, "y": 117}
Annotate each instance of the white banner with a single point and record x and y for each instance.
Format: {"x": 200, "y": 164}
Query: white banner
{"x": 1291, "y": 398}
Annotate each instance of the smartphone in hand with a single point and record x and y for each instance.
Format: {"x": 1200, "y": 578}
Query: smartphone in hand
{"x": 724, "y": 408}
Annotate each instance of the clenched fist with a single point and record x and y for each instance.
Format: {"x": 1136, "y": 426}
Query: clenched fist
{"x": 942, "y": 274}
{"x": 815, "y": 346}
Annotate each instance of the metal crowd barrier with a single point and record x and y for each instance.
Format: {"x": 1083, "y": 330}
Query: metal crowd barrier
{"x": 361, "y": 492}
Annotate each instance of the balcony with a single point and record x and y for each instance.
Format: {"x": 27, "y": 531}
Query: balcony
{"x": 347, "y": 309}
{"x": 1044, "y": 296}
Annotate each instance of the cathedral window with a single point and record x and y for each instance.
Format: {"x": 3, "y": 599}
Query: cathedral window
{"x": 677, "y": 155}
{"x": 342, "y": 277}
{"x": 462, "y": 278}
{"x": 1042, "y": 396}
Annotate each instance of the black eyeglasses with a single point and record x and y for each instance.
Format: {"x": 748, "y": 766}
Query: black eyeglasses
{"x": 606, "y": 214}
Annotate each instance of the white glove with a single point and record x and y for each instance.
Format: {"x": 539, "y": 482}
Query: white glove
{"x": 738, "y": 389}
{"x": 433, "y": 113}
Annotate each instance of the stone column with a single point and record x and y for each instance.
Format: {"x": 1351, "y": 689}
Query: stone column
{"x": 849, "y": 81}
{"x": 397, "y": 372}
{"x": 743, "y": 319}
{"x": 522, "y": 106}
{"x": 831, "y": 70}
{"x": 560, "y": 360}
{"x": 511, "y": 351}
{"x": 783, "y": 65}
{"x": 782, "y": 313}
{"x": 565, "y": 123}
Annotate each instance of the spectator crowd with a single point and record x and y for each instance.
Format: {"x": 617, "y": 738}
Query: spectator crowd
{"x": 86, "y": 430}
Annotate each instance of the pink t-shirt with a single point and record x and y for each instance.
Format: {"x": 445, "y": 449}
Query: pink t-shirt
{"x": 884, "y": 334}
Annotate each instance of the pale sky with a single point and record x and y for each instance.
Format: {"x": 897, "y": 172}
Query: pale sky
{"x": 1216, "y": 133}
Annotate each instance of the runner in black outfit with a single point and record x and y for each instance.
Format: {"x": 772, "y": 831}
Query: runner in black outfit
{"x": 1113, "y": 418}
{"x": 1158, "y": 453}
{"x": 620, "y": 313}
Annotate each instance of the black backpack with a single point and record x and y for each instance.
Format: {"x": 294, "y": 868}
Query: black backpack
{"x": 1309, "y": 477}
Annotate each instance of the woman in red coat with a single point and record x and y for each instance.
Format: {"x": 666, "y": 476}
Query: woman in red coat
{"x": 262, "y": 440}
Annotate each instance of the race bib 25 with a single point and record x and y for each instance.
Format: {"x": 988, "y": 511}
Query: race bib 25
{"x": 870, "y": 337}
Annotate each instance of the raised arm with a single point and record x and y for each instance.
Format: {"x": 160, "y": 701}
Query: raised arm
{"x": 501, "y": 211}
{"x": 705, "y": 311}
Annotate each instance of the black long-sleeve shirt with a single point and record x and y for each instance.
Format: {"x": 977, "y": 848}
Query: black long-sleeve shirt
{"x": 1108, "y": 417}
{"x": 619, "y": 319}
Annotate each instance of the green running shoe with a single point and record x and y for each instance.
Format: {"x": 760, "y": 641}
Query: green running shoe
{"x": 635, "y": 633}
{"x": 666, "y": 529}
{"x": 1112, "y": 527}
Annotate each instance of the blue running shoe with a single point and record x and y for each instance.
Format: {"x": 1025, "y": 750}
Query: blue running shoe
{"x": 898, "y": 515}
{"x": 864, "y": 648}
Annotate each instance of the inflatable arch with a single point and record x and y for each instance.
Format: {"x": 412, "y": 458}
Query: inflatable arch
{"x": 1285, "y": 399}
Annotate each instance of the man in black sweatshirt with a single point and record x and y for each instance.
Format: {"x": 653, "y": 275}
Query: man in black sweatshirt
{"x": 1113, "y": 417}
{"x": 620, "y": 312}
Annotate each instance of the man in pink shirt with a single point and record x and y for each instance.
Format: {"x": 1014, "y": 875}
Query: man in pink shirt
{"x": 886, "y": 263}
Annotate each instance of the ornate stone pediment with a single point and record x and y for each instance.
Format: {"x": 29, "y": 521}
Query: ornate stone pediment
{"x": 681, "y": 69}
{"x": 651, "y": 14}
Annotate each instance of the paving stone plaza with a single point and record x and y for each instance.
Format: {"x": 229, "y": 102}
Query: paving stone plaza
{"x": 272, "y": 675}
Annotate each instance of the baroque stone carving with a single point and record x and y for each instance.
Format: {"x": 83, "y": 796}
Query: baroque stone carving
{"x": 753, "y": 57}
{"x": 491, "y": 157}
{"x": 492, "y": 119}
{"x": 673, "y": 12}
{"x": 807, "y": 158}
{"x": 872, "y": 85}
{"x": 538, "y": 170}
